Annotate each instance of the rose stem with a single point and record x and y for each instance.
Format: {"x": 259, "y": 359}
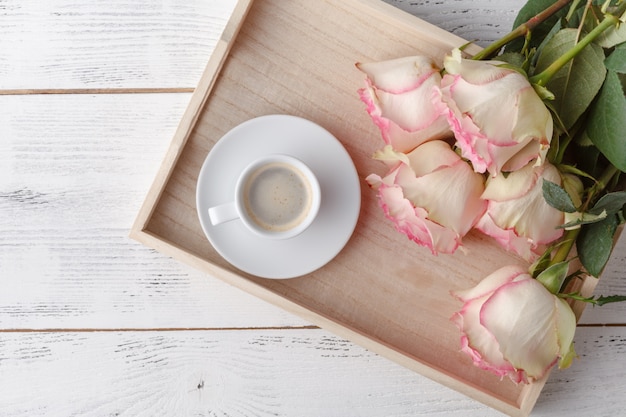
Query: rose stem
{"x": 609, "y": 20}
{"x": 521, "y": 30}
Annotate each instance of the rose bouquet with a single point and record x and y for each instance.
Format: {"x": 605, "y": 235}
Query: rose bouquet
{"x": 526, "y": 143}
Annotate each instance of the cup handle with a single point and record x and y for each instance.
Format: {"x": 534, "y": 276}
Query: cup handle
{"x": 223, "y": 213}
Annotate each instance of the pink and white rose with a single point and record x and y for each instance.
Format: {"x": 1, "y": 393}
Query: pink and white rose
{"x": 498, "y": 119}
{"x": 430, "y": 194}
{"x": 518, "y": 216}
{"x": 399, "y": 98}
{"x": 513, "y": 326}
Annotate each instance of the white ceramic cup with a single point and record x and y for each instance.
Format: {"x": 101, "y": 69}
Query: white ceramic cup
{"x": 276, "y": 197}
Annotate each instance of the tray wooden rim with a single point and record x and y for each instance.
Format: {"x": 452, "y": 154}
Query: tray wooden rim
{"x": 140, "y": 233}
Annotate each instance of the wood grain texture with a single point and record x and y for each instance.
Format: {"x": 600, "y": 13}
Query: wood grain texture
{"x": 74, "y": 169}
{"x": 603, "y": 350}
{"x": 73, "y": 173}
{"x": 63, "y": 44}
{"x": 253, "y": 373}
{"x": 480, "y": 21}
{"x": 381, "y": 291}
{"x": 142, "y": 44}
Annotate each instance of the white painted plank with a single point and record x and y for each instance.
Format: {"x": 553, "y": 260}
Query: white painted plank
{"x": 65, "y": 260}
{"x": 63, "y": 44}
{"x": 262, "y": 373}
{"x": 595, "y": 383}
{"x": 480, "y": 21}
{"x": 120, "y": 43}
{"x": 74, "y": 170}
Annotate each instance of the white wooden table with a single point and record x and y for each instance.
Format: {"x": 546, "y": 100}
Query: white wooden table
{"x": 94, "y": 324}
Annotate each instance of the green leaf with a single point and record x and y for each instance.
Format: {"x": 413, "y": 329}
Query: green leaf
{"x": 546, "y": 39}
{"x": 599, "y": 301}
{"x": 565, "y": 361}
{"x": 554, "y": 276}
{"x": 529, "y": 10}
{"x": 622, "y": 80}
{"x": 585, "y": 218}
{"x": 516, "y": 59}
{"x": 602, "y": 300}
{"x": 574, "y": 187}
{"x": 557, "y": 197}
{"x": 541, "y": 263}
{"x": 594, "y": 244}
{"x": 612, "y": 203}
{"x": 577, "y": 83}
{"x": 612, "y": 36}
{"x": 607, "y": 122}
{"x": 587, "y": 156}
{"x": 617, "y": 60}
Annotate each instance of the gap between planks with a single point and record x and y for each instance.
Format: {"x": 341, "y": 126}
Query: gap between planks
{"x": 204, "y": 329}
{"x": 159, "y": 329}
{"x": 43, "y": 91}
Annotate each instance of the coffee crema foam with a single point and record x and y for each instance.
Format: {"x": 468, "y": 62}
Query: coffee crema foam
{"x": 277, "y": 197}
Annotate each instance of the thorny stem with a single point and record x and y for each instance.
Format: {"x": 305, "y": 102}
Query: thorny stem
{"x": 521, "y": 30}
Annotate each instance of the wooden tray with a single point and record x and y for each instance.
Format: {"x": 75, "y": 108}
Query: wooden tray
{"x": 382, "y": 291}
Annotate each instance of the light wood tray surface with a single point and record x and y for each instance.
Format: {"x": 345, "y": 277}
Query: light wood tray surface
{"x": 382, "y": 291}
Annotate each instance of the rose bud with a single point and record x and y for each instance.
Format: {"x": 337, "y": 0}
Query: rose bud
{"x": 517, "y": 215}
{"x": 513, "y": 326}
{"x": 498, "y": 119}
{"x": 399, "y": 98}
{"x": 430, "y": 194}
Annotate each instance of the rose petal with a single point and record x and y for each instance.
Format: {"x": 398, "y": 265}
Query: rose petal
{"x": 476, "y": 72}
{"x": 432, "y": 156}
{"x": 478, "y": 342}
{"x": 440, "y": 182}
{"x": 451, "y": 196}
{"x": 412, "y": 221}
{"x": 494, "y": 113}
{"x": 491, "y": 283}
{"x": 509, "y": 239}
{"x": 399, "y": 100}
{"x": 533, "y": 151}
{"x": 531, "y": 216}
{"x": 493, "y": 108}
{"x": 527, "y": 307}
{"x": 536, "y": 122}
{"x": 411, "y": 110}
{"x": 397, "y": 121}
{"x": 430, "y": 194}
{"x": 391, "y": 157}
{"x": 401, "y": 74}
{"x": 514, "y": 186}
{"x": 565, "y": 326}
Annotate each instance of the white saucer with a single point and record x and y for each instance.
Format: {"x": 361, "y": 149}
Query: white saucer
{"x": 338, "y": 178}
